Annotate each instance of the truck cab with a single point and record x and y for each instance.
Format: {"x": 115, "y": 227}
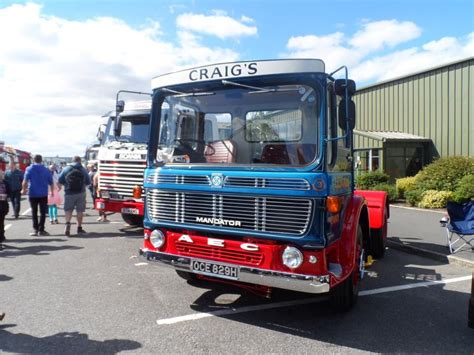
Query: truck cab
{"x": 270, "y": 201}
{"x": 121, "y": 161}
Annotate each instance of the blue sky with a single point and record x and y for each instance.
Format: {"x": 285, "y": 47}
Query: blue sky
{"x": 62, "y": 61}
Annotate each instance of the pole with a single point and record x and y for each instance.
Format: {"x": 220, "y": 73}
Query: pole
{"x": 470, "y": 314}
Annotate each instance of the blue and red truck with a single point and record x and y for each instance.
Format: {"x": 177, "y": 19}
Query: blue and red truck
{"x": 268, "y": 201}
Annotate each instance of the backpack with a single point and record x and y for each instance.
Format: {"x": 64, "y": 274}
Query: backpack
{"x": 75, "y": 180}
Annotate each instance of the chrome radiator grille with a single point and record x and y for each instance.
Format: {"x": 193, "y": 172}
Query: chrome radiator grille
{"x": 119, "y": 177}
{"x": 266, "y": 214}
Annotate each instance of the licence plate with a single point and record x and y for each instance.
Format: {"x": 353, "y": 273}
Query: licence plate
{"x": 215, "y": 269}
{"x": 130, "y": 210}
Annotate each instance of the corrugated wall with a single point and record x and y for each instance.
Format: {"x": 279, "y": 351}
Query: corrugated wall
{"x": 436, "y": 104}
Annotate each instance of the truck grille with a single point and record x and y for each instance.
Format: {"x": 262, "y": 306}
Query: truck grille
{"x": 269, "y": 183}
{"x": 230, "y": 181}
{"x": 119, "y": 177}
{"x": 290, "y": 216}
{"x": 209, "y": 252}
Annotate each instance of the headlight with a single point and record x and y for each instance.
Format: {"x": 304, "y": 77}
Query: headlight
{"x": 292, "y": 257}
{"x": 157, "y": 238}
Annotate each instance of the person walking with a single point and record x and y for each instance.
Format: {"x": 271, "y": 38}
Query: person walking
{"x": 4, "y": 191}
{"x": 14, "y": 176}
{"x": 74, "y": 178}
{"x": 92, "y": 170}
{"x": 54, "y": 200}
{"x": 95, "y": 184}
{"x": 36, "y": 181}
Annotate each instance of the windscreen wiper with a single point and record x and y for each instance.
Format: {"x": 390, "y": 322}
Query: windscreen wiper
{"x": 228, "y": 82}
{"x": 256, "y": 88}
{"x": 186, "y": 94}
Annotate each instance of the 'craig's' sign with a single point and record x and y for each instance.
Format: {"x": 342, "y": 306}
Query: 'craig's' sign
{"x": 223, "y": 71}
{"x": 238, "y": 70}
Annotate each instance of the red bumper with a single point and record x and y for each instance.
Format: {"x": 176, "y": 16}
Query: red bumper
{"x": 127, "y": 207}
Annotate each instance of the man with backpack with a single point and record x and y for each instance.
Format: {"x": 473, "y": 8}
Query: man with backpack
{"x": 74, "y": 178}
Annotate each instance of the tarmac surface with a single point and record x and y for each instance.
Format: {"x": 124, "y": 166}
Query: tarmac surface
{"x": 418, "y": 231}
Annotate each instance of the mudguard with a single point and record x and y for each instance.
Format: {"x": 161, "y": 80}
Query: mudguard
{"x": 377, "y": 203}
{"x": 356, "y": 209}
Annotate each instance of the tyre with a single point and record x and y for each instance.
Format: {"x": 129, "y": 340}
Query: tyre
{"x": 132, "y": 219}
{"x": 344, "y": 296}
{"x": 378, "y": 239}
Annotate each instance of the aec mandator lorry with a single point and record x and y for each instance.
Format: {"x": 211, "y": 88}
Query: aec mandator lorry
{"x": 271, "y": 202}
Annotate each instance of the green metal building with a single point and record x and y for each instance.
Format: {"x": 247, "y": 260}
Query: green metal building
{"x": 404, "y": 123}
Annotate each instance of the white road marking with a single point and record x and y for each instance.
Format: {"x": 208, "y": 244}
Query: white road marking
{"x": 225, "y": 312}
{"x": 7, "y": 227}
{"x": 415, "y": 285}
{"x": 141, "y": 264}
{"x": 418, "y": 209}
{"x": 26, "y": 212}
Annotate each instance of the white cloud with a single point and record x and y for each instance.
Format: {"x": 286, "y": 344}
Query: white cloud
{"x": 331, "y": 46}
{"x": 218, "y": 24}
{"x": 57, "y": 77}
{"x": 371, "y": 53}
{"x": 431, "y": 54}
{"x": 376, "y": 35}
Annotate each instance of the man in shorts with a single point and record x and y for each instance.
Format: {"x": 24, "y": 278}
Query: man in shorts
{"x": 74, "y": 178}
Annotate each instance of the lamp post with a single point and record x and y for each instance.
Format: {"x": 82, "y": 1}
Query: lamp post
{"x": 470, "y": 314}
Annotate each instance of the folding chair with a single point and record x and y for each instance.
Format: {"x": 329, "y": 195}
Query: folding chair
{"x": 459, "y": 226}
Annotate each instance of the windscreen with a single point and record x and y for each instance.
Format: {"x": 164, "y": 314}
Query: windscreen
{"x": 134, "y": 129}
{"x": 275, "y": 125}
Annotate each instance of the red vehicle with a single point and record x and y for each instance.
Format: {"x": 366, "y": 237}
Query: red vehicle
{"x": 271, "y": 202}
{"x": 121, "y": 161}
{"x": 7, "y": 154}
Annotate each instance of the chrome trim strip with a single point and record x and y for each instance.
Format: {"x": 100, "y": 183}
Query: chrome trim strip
{"x": 256, "y": 276}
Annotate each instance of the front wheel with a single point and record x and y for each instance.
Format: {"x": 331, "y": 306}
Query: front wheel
{"x": 344, "y": 296}
{"x": 133, "y": 219}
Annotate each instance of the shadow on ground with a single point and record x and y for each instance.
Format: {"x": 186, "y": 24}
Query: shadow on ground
{"x": 407, "y": 321}
{"x": 61, "y": 343}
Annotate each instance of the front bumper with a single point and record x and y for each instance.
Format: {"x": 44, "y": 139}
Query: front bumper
{"x": 119, "y": 206}
{"x": 270, "y": 278}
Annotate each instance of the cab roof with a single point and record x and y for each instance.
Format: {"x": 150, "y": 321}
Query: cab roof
{"x": 235, "y": 70}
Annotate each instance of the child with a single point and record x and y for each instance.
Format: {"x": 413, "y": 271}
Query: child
{"x": 55, "y": 200}
{"x": 4, "y": 191}
{"x": 95, "y": 184}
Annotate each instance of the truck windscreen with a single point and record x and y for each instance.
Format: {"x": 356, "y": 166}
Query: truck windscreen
{"x": 241, "y": 125}
{"x": 134, "y": 130}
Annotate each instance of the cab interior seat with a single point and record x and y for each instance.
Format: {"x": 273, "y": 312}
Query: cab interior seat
{"x": 223, "y": 151}
{"x": 288, "y": 154}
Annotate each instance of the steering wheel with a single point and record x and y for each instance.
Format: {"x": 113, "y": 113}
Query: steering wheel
{"x": 186, "y": 148}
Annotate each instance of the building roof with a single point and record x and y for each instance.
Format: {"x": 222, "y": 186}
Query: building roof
{"x": 383, "y": 82}
{"x": 385, "y": 136}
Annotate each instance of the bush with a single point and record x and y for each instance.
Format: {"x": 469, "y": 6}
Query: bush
{"x": 444, "y": 174}
{"x": 465, "y": 189}
{"x": 435, "y": 199}
{"x": 389, "y": 189}
{"x": 368, "y": 180}
{"x": 404, "y": 185}
{"x": 414, "y": 196}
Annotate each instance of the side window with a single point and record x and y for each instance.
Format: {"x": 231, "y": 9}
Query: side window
{"x": 273, "y": 126}
{"x": 126, "y": 128}
{"x": 217, "y": 126}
